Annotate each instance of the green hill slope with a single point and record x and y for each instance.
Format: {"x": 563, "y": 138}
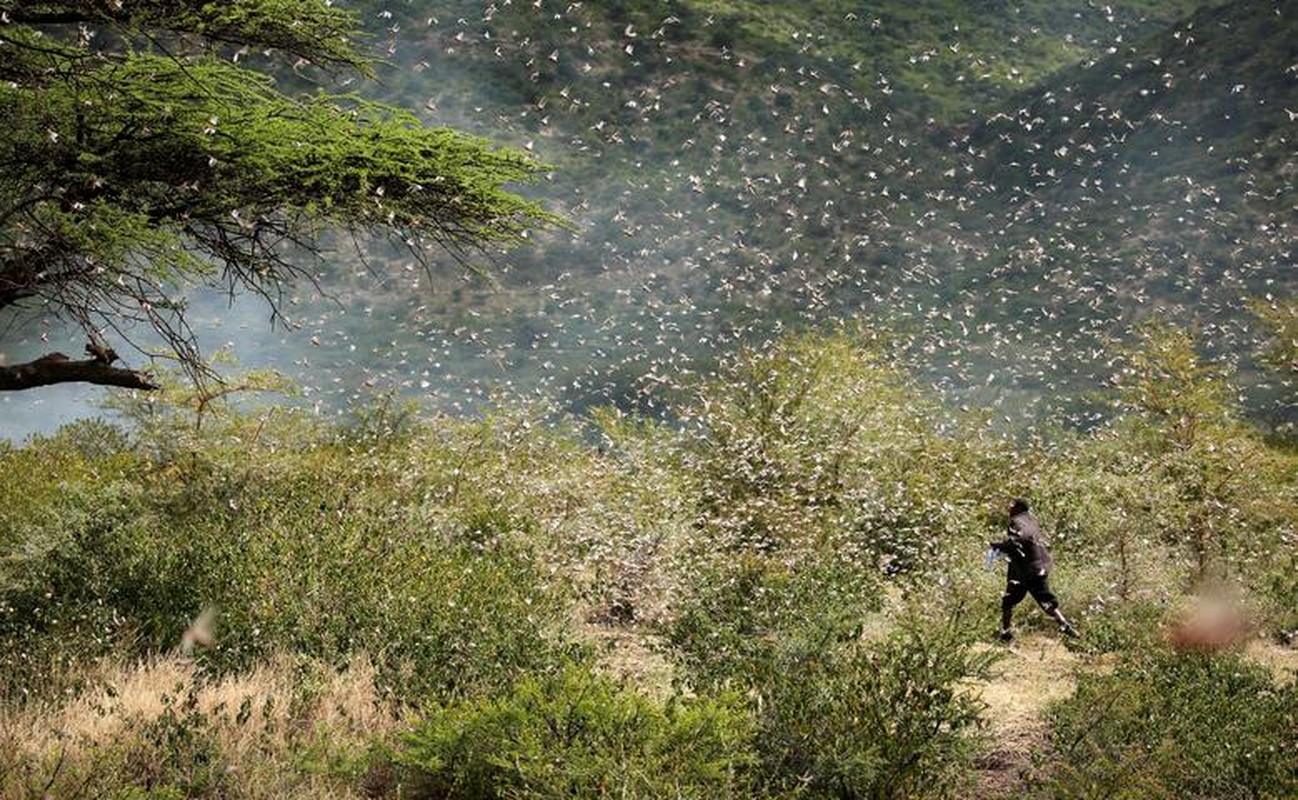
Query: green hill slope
{"x": 1157, "y": 181}
{"x": 1003, "y": 184}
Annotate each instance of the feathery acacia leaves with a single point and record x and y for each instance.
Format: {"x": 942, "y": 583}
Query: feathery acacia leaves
{"x": 131, "y": 174}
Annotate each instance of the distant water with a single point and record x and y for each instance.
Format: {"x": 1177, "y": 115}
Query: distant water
{"x": 42, "y": 410}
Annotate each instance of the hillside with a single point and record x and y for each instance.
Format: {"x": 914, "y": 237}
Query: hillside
{"x": 734, "y": 170}
{"x": 1004, "y": 186}
{"x": 1157, "y": 181}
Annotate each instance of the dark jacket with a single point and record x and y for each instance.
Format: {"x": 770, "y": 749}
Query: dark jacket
{"x": 1025, "y": 548}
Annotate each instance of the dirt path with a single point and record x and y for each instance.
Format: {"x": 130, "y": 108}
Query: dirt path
{"x": 1036, "y": 671}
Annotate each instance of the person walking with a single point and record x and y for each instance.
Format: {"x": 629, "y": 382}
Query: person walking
{"x": 1029, "y": 570}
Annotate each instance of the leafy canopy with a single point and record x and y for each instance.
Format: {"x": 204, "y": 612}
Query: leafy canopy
{"x": 142, "y": 158}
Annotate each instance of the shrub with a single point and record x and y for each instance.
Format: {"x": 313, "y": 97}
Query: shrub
{"x": 886, "y": 719}
{"x": 785, "y": 435}
{"x": 1120, "y": 626}
{"x": 437, "y": 617}
{"x": 299, "y": 544}
{"x": 837, "y": 715}
{"x": 1281, "y": 599}
{"x": 81, "y": 577}
{"x": 1164, "y": 725}
{"x": 176, "y": 753}
{"x": 726, "y": 630}
{"x": 574, "y": 733}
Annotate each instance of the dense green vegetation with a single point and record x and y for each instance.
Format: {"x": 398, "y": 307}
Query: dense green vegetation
{"x": 790, "y": 571}
{"x": 710, "y": 517}
{"x": 1178, "y": 726}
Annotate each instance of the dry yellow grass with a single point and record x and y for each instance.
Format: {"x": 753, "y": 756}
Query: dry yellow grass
{"x": 630, "y": 655}
{"x": 1281, "y": 660}
{"x": 1036, "y": 671}
{"x": 255, "y": 719}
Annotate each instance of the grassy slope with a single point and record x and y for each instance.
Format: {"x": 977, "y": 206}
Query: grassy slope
{"x": 1185, "y": 138}
{"x": 1152, "y": 182}
{"x": 945, "y": 59}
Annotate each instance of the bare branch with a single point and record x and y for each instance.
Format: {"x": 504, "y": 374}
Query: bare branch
{"x": 58, "y": 368}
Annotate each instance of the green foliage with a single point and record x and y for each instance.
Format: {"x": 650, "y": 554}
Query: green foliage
{"x": 316, "y": 31}
{"x": 52, "y": 614}
{"x": 839, "y": 715}
{"x": 739, "y": 552}
{"x": 1280, "y": 593}
{"x": 171, "y": 167}
{"x": 1121, "y": 627}
{"x": 232, "y": 161}
{"x": 885, "y": 719}
{"x": 1164, "y": 380}
{"x": 439, "y": 618}
{"x": 1200, "y": 467}
{"x": 823, "y": 436}
{"x": 295, "y": 544}
{"x": 1096, "y": 505}
{"x": 728, "y": 630}
{"x": 1167, "y": 726}
{"x": 574, "y": 733}
{"x": 781, "y": 429}
{"x": 629, "y": 511}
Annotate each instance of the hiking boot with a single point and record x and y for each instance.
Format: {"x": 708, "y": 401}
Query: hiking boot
{"x": 1005, "y": 635}
{"x": 1069, "y": 631}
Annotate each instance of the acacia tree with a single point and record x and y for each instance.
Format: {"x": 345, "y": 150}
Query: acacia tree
{"x": 140, "y": 158}
{"x": 1207, "y": 478}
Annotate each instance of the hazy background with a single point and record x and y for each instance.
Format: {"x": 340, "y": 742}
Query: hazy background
{"x": 1003, "y": 187}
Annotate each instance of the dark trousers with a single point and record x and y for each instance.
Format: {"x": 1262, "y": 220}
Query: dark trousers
{"x": 1038, "y": 586}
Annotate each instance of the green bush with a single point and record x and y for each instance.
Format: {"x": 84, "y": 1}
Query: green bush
{"x": 1165, "y": 725}
{"x": 1120, "y": 627}
{"x": 175, "y": 754}
{"x": 786, "y": 436}
{"x": 299, "y": 545}
{"x": 1281, "y": 599}
{"x": 574, "y": 733}
{"x": 727, "y": 628}
{"x": 79, "y": 577}
{"x": 453, "y": 553}
{"x": 838, "y": 715}
{"x": 885, "y": 719}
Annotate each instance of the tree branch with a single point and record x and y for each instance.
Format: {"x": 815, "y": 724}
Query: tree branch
{"x": 58, "y": 368}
